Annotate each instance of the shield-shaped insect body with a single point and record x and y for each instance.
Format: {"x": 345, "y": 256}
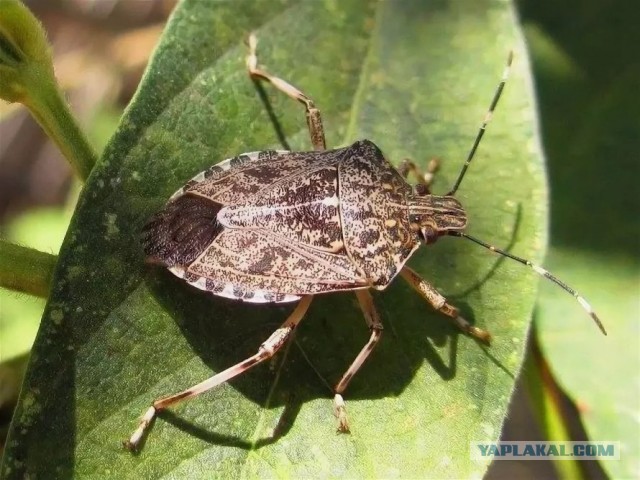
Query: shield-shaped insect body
{"x": 275, "y": 225}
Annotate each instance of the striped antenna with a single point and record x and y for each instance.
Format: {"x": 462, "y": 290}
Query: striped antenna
{"x": 485, "y": 122}
{"x": 540, "y": 271}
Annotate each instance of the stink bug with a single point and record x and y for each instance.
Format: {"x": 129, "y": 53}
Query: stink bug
{"x": 282, "y": 226}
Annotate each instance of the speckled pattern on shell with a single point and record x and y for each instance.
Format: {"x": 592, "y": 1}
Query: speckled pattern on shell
{"x": 292, "y": 223}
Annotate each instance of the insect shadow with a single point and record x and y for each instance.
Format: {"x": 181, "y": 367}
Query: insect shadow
{"x": 487, "y": 276}
{"x": 222, "y": 332}
{"x": 277, "y": 126}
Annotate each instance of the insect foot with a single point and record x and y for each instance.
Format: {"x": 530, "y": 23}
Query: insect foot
{"x": 340, "y": 411}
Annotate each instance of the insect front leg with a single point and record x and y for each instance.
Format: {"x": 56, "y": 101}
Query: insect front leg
{"x": 424, "y": 179}
{"x": 314, "y": 120}
{"x": 266, "y": 351}
{"x": 375, "y": 325}
{"x": 437, "y": 301}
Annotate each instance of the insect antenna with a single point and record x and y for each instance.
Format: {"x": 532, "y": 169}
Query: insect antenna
{"x": 485, "y": 122}
{"x": 540, "y": 271}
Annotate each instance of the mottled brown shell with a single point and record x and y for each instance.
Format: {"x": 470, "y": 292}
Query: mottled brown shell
{"x": 273, "y": 225}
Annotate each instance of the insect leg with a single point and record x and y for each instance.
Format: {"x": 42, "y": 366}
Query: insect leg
{"x": 266, "y": 351}
{"x": 375, "y": 325}
{"x": 423, "y": 187}
{"x": 314, "y": 120}
{"x": 437, "y": 301}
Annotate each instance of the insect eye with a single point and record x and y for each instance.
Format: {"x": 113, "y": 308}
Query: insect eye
{"x": 429, "y": 234}
{"x": 421, "y": 189}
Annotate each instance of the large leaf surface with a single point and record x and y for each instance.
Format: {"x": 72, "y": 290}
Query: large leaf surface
{"x": 416, "y": 77}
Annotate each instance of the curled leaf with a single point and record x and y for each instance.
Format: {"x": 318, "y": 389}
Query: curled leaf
{"x": 25, "y": 56}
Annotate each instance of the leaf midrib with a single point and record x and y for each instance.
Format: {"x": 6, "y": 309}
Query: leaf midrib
{"x": 356, "y": 106}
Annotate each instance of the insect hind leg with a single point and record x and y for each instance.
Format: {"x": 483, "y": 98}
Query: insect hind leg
{"x": 437, "y": 301}
{"x": 314, "y": 120}
{"x": 266, "y": 351}
{"x": 375, "y": 325}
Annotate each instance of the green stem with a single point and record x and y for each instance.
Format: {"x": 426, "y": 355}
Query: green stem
{"x": 548, "y": 401}
{"x": 50, "y": 109}
{"x": 26, "y": 270}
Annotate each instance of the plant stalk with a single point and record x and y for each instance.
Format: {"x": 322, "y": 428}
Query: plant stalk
{"x": 26, "y": 270}
{"x": 46, "y": 103}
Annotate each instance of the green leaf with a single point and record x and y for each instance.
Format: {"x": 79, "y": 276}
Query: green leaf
{"x": 590, "y": 124}
{"x": 415, "y": 77}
